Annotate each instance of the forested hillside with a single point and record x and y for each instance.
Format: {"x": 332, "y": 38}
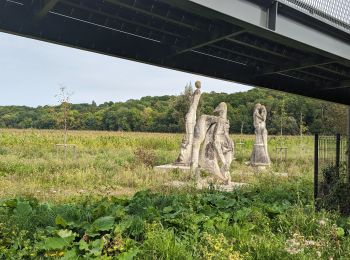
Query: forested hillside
{"x": 166, "y": 113}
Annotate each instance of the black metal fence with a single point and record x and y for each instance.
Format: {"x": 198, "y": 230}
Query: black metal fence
{"x": 335, "y": 11}
{"x": 330, "y": 154}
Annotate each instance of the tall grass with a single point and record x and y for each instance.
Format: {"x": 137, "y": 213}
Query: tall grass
{"x": 111, "y": 162}
{"x": 272, "y": 218}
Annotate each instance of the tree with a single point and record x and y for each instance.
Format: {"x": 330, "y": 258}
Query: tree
{"x": 302, "y": 125}
{"x": 181, "y": 106}
{"x": 241, "y": 119}
{"x": 64, "y": 98}
{"x": 335, "y": 118}
{"x": 167, "y": 113}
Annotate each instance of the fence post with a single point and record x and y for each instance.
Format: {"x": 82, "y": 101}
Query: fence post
{"x": 337, "y": 152}
{"x": 316, "y": 169}
{"x": 348, "y": 146}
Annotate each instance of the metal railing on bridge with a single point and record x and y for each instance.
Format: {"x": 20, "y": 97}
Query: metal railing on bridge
{"x": 335, "y": 11}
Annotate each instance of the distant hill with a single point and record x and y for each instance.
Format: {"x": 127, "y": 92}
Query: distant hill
{"x": 166, "y": 113}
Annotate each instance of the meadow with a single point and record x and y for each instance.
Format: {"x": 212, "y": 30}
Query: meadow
{"x": 107, "y": 202}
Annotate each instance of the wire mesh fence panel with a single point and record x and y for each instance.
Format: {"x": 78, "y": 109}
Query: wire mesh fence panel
{"x": 335, "y": 11}
{"x": 326, "y": 157}
{"x": 343, "y": 159}
{"x": 331, "y": 161}
{"x": 326, "y": 151}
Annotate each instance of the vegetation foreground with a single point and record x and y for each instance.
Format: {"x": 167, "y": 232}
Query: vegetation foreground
{"x": 107, "y": 202}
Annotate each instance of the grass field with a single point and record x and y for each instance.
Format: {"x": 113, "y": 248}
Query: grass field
{"x": 108, "y": 202}
{"x": 109, "y": 163}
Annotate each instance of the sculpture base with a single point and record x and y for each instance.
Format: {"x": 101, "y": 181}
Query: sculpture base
{"x": 259, "y": 157}
{"x": 199, "y": 185}
{"x": 221, "y": 187}
{"x": 171, "y": 167}
{"x": 257, "y": 166}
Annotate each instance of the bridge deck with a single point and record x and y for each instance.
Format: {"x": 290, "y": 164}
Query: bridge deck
{"x": 262, "y": 43}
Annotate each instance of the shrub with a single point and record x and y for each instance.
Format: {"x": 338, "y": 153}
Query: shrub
{"x": 146, "y": 157}
{"x": 334, "y": 191}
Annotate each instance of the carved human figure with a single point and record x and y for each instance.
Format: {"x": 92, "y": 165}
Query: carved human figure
{"x": 184, "y": 157}
{"x": 260, "y": 155}
{"x": 212, "y": 146}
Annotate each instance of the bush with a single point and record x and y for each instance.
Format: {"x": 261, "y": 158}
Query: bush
{"x": 334, "y": 191}
{"x": 251, "y": 223}
{"x": 145, "y": 157}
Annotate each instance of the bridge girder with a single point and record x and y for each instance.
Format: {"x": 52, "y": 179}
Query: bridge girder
{"x": 239, "y": 41}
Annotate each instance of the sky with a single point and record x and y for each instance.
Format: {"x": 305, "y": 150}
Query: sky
{"x": 31, "y": 73}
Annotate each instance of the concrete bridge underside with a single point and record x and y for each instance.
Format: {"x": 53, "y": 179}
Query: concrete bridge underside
{"x": 262, "y": 43}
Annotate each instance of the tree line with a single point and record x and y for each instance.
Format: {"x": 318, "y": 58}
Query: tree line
{"x": 289, "y": 114}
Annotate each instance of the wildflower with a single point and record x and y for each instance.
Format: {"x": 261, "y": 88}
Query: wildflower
{"x": 322, "y": 222}
{"x": 310, "y": 243}
{"x": 293, "y": 246}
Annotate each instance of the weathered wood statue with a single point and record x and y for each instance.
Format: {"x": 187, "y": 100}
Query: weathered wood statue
{"x": 212, "y": 146}
{"x": 260, "y": 155}
{"x": 186, "y": 145}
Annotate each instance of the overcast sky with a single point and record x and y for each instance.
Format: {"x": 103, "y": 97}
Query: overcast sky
{"x": 31, "y": 72}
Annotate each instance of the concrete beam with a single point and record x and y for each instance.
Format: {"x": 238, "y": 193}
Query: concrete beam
{"x": 152, "y": 14}
{"x": 254, "y": 17}
{"x": 295, "y": 65}
{"x": 209, "y": 41}
{"x": 272, "y": 16}
{"x": 48, "y": 6}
